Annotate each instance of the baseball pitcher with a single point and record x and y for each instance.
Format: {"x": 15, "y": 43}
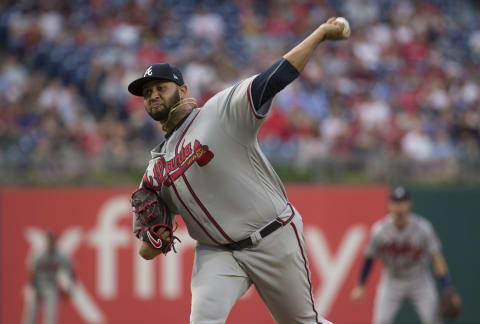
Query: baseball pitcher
{"x": 211, "y": 171}
{"x": 406, "y": 244}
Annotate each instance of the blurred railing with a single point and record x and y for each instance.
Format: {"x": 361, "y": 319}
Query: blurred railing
{"x": 72, "y": 168}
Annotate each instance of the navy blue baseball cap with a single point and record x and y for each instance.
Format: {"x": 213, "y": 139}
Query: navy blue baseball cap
{"x": 399, "y": 194}
{"x": 158, "y": 71}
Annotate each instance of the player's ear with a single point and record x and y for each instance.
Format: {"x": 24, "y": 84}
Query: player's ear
{"x": 183, "y": 91}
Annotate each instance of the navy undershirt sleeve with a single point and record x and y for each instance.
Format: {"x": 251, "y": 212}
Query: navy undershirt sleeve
{"x": 267, "y": 84}
{"x": 367, "y": 266}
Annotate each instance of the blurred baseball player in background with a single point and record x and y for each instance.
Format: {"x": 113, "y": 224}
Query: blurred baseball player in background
{"x": 45, "y": 274}
{"x": 407, "y": 244}
{"x": 210, "y": 170}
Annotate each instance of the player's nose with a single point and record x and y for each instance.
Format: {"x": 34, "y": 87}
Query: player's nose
{"x": 155, "y": 94}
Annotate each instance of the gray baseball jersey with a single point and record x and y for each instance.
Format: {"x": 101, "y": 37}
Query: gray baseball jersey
{"x": 46, "y": 267}
{"x": 212, "y": 172}
{"x": 405, "y": 254}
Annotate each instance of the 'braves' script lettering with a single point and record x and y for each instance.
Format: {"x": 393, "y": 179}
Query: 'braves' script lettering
{"x": 167, "y": 171}
{"x": 395, "y": 249}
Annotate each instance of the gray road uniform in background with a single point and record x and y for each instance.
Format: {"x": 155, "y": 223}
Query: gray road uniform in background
{"x": 405, "y": 254}
{"x": 45, "y": 270}
{"x": 212, "y": 172}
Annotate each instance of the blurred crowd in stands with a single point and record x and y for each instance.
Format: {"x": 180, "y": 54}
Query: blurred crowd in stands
{"x": 404, "y": 88}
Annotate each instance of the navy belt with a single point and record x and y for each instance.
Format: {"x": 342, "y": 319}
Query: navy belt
{"x": 248, "y": 243}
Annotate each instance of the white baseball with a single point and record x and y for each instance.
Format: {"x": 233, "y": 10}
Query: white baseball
{"x": 346, "y": 28}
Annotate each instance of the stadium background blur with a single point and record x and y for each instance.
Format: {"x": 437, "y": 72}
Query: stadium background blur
{"x": 397, "y": 103}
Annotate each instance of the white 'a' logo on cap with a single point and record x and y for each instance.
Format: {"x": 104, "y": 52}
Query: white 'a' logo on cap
{"x": 400, "y": 191}
{"x": 148, "y": 71}
{"x": 175, "y": 76}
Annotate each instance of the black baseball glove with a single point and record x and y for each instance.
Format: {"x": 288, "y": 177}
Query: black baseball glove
{"x": 151, "y": 216}
{"x": 450, "y": 303}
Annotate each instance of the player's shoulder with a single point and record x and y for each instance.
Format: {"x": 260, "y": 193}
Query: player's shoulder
{"x": 422, "y": 222}
{"x": 229, "y": 89}
{"x": 380, "y": 225}
{"x": 63, "y": 258}
{"x": 215, "y": 102}
{"x": 422, "y": 225}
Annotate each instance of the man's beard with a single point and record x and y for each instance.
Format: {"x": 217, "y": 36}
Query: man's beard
{"x": 161, "y": 115}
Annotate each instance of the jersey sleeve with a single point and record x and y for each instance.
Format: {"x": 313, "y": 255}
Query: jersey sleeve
{"x": 243, "y": 107}
{"x": 237, "y": 113}
{"x": 432, "y": 243}
{"x": 371, "y": 250}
